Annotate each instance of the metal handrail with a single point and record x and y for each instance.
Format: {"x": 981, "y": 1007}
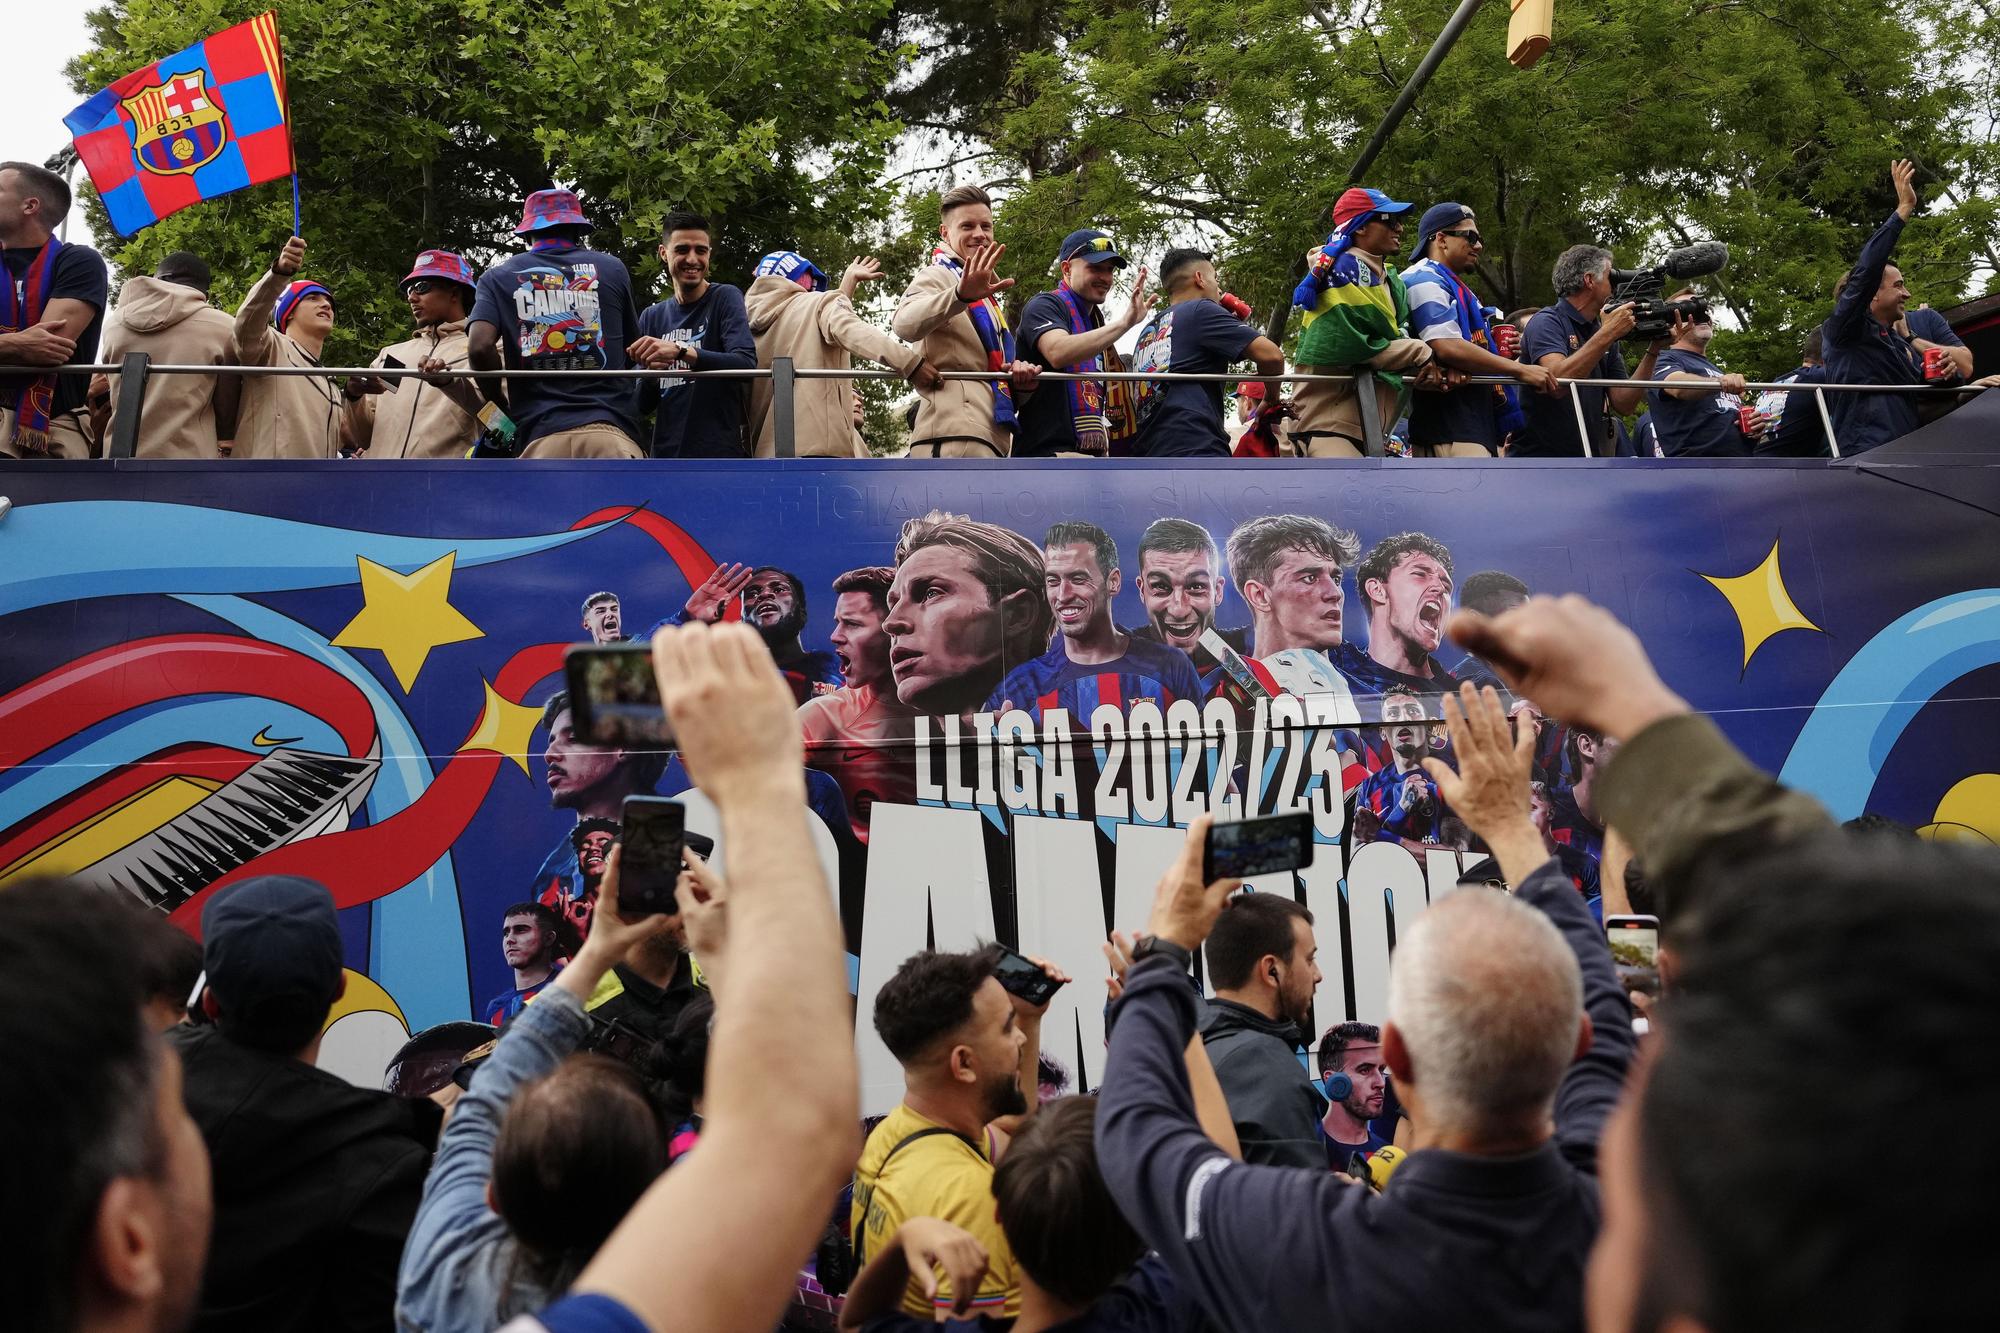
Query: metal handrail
{"x": 137, "y": 368}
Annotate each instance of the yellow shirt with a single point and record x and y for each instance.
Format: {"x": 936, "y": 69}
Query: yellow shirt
{"x": 941, "y": 1176}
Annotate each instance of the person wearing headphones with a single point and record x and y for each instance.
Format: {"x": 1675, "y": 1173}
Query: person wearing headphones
{"x": 1356, "y": 1084}
{"x": 1261, "y": 961}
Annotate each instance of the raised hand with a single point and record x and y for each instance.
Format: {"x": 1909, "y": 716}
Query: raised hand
{"x": 1903, "y": 174}
{"x": 1574, "y": 660}
{"x": 1184, "y": 907}
{"x": 290, "y": 258}
{"x": 1490, "y": 789}
{"x": 1140, "y": 305}
{"x": 714, "y": 593}
{"x": 978, "y": 281}
{"x": 733, "y": 714}
{"x": 862, "y": 268}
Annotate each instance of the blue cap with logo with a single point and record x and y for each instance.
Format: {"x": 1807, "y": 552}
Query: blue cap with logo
{"x": 1091, "y": 245}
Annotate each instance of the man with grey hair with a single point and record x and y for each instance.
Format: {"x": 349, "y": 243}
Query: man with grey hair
{"x": 1508, "y": 1037}
{"x": 1576, "y": 339}
{"x": 1288, "y": 568}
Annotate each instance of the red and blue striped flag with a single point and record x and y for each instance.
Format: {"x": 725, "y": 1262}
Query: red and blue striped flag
{"x": 188, "y": 127}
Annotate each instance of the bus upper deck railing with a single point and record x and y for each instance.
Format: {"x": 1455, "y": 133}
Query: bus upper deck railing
{"x": 137, "y": 368}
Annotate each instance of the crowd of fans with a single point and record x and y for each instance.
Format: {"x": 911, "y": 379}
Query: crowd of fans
{"x": 564, "y": 310}
{"x": 1505, "y": 1148}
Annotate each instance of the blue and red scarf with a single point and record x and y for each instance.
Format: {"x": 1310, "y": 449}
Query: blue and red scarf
{"x": 989, "y": 321}
{"x": 1086, "y": 397}
{"x": 21, "y": 305}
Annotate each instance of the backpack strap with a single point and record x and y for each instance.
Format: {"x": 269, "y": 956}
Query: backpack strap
{"x": 860, "y": 1257}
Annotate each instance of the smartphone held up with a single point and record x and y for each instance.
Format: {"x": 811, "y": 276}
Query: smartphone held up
{"x": 614, "y": 696}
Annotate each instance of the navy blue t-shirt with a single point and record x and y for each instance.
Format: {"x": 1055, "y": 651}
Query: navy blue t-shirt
{"x": 1195, "y": 337}
{"x": 1551, "y": 430}
{"x": 79, "y": 276}
{"x": 1800, "y": 432}
{"x": 564, "y": 308}
{"x": 703, "y": 418}
{"x": 1932, "y": 327}
{"x": 1046, "y": 422}
{"x": 1704, "y": 427}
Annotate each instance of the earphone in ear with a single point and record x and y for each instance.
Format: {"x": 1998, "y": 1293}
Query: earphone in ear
{"x": 1272, "y": 972}
{"x": 1339, "y": 1087}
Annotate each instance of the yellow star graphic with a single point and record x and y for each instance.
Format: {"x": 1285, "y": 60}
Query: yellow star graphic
{"x": 506, "y": 729}
{"x": 406, "y": 615}
{"x": 1763, "y": 607}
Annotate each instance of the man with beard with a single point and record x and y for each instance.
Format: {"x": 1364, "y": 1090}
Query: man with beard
{"x": 528, "y": 940}
{"x": 966, "y": 601}
{"x": 968, "y": 1050}
{"x": 1405, "y": 584}
{"x": 1093, "y": 661}
{"x": 603, "y": 618}
{"x": 1181, "y": 586}
{"x": 1065, "y": 330}
{"x": 416, "y": 418}
{"x": 1400, "y": 794}
{"x": 1262, "y": 961}
{"x": 774, "y": 604}
{"x": 1357, "y": 1083}
{"x": 860, "y": 733}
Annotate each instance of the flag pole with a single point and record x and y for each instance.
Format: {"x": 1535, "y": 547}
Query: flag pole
{"x": 295, "y": 198}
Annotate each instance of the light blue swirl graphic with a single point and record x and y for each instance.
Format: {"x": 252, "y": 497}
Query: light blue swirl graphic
{"x": 116, "y": 742}
{"x": 416, "y": 936}
{"x": 72, "y": 550}
{"x": 1864, "y": 711}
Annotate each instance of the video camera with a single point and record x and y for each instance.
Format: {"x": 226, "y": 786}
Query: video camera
{"x": 1645, "y": 288}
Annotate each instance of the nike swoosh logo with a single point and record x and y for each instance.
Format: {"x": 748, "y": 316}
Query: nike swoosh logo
{"x": 265, "y": 737}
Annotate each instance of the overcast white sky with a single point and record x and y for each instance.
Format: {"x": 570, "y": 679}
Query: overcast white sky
{"x": 34, "y": 97}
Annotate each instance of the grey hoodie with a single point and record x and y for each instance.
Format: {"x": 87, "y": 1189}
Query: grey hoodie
{"x": 174, "y": 325}
{"x": 1274, "y": 1104}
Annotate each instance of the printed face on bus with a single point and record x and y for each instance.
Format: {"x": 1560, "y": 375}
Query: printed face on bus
{"x": 1403, "y": 722}
{"x": 576, "y": 770}
{"x": 1301, "y": 605}
{"x": 859, "y": 641}
{"x": 1079, "y": 589}
{"x": 1413, "y": 600}
{"x": 945, "y": 633}
{"x": 1181, "y": 592}
{"x": 603, "y": 621}
{"x": 768, "y": 599}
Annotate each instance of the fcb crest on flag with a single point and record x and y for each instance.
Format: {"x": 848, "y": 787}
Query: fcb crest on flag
{"x": 190, "y": 126}
{"x": 177, "y": 125}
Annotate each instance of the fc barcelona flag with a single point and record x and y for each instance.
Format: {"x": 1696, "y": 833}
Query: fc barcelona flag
{"x": 189, "y": 126}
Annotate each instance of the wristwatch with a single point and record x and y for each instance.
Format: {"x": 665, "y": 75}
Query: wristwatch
{"x": 1151, "y": 945}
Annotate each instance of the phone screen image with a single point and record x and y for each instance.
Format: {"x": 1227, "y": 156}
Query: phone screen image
{"x": 649, "y": 859}
{"x": 1018, "y": 976}
{"x": 1244, "y": 848}
{"x": 615, "y": 697}
{"x": 1634, "y": 941}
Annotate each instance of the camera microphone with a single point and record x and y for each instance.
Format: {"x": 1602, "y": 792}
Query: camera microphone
{"x": 1697, "y": 260}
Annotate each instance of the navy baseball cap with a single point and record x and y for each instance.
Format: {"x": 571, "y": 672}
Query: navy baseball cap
{"x": 1437, "y": 218}
{"x": 271, "y": 947}
{"x": 1092, "y": 245}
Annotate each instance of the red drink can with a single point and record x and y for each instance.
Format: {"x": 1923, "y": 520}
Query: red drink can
{"x": 1937, "y": 364}
{"x": 1746, "y": 419}
{"x": 1506, "y": 341}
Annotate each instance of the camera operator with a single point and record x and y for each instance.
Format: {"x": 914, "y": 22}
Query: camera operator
{"x": 1862, "y": 344}
{"x": 1698, "y": 420}
{"x": 1577, "y": 338}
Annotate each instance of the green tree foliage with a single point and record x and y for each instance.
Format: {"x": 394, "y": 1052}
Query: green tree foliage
{"x": 422, "y": 123}
{"x": 1766, "y": 124}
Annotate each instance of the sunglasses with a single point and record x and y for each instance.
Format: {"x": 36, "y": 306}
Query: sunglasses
{"x": 1469, "y": 237}
{"x": 421, "y": 287}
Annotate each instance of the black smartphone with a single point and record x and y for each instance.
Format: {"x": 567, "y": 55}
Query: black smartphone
{"x": 1242, "y": 848}
{"x": 1017, "y": 975}
{"x": 614, "y": 697}
{"x": 391, "y": 363}
{"x": 649, "y": 862}
{"x": 1634, "y": 940}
